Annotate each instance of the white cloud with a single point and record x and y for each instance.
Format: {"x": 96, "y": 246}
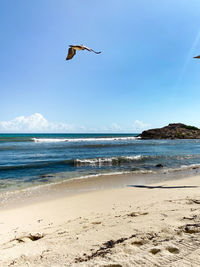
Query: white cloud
{"x": 33, "y": 123}
{"x": 140, "y": 125}
{"x": 37, "y": 123}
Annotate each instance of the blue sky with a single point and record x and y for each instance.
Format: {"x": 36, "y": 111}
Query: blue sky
{"x": 145, "y": 76}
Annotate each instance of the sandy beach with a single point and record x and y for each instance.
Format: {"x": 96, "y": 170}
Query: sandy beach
{"x": 131, "y": 226}
{"x": 100, "y": 133}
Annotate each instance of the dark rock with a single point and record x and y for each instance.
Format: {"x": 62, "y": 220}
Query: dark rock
{"x": 172, "y": 131}
{"x": 159, "y": 165}
{"x": 46, "y": 176}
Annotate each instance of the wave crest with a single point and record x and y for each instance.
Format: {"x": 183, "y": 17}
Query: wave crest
{"x": 107, "y": 161}
{"x": 54, "y": 140}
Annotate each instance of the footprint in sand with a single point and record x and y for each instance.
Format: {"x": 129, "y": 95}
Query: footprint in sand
{"x": 173, "y": 250}
{"x": 154, "y": 251}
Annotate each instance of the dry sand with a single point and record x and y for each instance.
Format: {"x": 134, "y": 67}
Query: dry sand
{"x": 115, "y": 227}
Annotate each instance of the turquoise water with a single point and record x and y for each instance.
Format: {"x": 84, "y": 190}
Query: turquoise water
{"x": 32, "y": 159}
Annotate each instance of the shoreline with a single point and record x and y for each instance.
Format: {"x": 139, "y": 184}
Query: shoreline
{"x": 76, "y": 186}
{"x": 128, "y": 226}
{"x": 92, "y": 183}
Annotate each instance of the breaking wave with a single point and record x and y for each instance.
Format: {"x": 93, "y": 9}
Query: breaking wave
{"x": 75, "y": 162}
{"x": 54, "y": 140}
{"x": 109, "y": 161}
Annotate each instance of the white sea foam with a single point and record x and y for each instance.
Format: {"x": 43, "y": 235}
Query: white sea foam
{"x": 184, "y": 167}
{"x": 48, "y": 140}
{"x": 54, "y": 140}
{"x": 99, "y": 161}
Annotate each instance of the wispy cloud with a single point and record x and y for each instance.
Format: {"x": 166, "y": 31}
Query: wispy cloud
{"x": 33, "y": 123}
{"x": 140, "y": 125}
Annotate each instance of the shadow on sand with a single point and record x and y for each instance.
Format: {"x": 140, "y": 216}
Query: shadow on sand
{"x": 161, "y": 186}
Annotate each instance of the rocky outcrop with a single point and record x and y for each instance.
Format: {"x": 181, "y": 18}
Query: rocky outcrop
{"x": 172, "y": 131}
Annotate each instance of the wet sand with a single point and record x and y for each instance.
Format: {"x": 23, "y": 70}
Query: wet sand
{"x": 72, "y": 187}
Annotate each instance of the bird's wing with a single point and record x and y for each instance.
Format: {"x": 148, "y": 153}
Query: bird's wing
{"x": 71, "y": 53}
{"x": 91, "y": 50}
{"x": 77, "y": 47}
{"x": 95, "y": 51}
{"x": 197, "y": 56}
{"x": 86, "y": 48}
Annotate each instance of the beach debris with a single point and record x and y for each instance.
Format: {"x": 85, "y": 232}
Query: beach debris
{"x": 196, "y": 201}
{"x": 96, "y": 222}
{"x": 20, "y": 240}
{"x": 136, "y": 214}
{"x": 190, "y": 218}
{"x": 61, "y": 233}
{"x": 139, "y": 242}
{"x": 73, "y": 48}
{"x": 12, "y": 263}
{"x": 103, "y": 250}
{"x": 191, "y": 228}
{"x": 112, "y": 265}
{"x": 107, "y": 246}
{"x": 34, "y": 237}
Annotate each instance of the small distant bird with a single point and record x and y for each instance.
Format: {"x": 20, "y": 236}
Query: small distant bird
{"x": 197, "y": 56}
{"x": 73, "y": 48}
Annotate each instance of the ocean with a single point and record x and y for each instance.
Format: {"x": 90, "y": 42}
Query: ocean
{"x": 28, "y": 160}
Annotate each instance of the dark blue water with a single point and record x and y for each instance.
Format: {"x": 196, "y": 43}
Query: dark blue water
{"x": 31, "y": 159}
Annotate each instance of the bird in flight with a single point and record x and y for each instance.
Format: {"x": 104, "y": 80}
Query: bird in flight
{"x": 72, "y": 50}
{"x": 197, "y": 56}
